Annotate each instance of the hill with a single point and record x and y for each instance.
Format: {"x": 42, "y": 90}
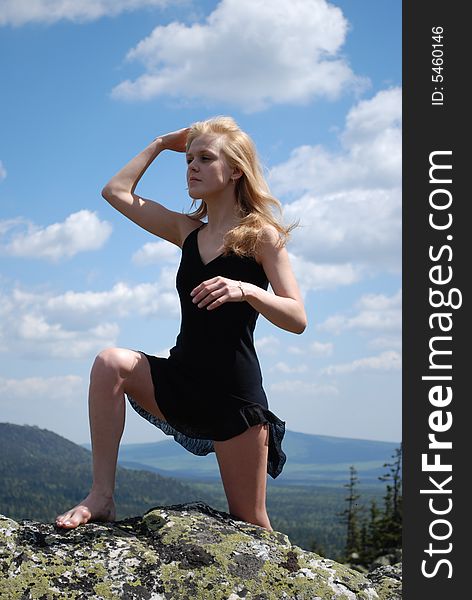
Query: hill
{"x": 43, "y": 474}
{"x": 311, "y": 460}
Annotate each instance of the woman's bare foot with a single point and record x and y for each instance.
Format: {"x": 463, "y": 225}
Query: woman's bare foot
{"x": 94, "y": 508}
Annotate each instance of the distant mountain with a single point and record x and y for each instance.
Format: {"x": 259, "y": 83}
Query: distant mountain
{"x": 42, "y": 474}
{"x": 311, "y": 459}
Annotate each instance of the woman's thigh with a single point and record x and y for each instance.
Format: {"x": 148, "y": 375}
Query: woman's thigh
{"x": 243, "y": 467}
{"x": 134, "y": 371}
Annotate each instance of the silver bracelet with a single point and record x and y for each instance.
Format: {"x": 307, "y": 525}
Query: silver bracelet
{"x": 243, "y": 295}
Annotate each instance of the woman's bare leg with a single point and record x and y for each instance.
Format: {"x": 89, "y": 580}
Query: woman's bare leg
{"x": 115, "y": 372}
{"x": 243, "y": 467}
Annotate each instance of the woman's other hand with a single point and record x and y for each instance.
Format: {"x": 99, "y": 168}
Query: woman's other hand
{"x": 175, "y": 140}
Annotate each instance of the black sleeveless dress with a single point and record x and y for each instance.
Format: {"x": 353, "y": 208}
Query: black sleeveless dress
{"x": 210, "y": 387}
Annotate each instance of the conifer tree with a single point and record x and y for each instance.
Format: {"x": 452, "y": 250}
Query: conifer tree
{"x": 351, "y": 517}
{"x": 391, "y": 522}
{"x": 373, "y": 542}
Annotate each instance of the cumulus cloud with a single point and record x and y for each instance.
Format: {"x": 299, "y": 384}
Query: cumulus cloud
{"x": 19, "y": 12}
{"x": 78, "y": 324}
{"x": 387, "y": 341}
{"x": 299, "y": 386}
{"x": 386, "y": 361}
{"x": 320, "y": 349}
{"x": 267, "y": 345}
{"x": 316, "y": 349}
{"x": 369, "y": 155}
{"x": 53, "y": 340}
{"x": 375, "y": 313}
{"x": 55, "y": 403}
{"x": 314, "y": 276}
{"x": 80, "y": 232}
{"x": 145, "y": 299}
{"x": 349, "y": 201}
{"x": 3, "y": 171}
{"x": 55, "y": 388}
{"x": 156, "y": 253}
{"x": 247, "y": 53}
{"x": 283, "y": 367}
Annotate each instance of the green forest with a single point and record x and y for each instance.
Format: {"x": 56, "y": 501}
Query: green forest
{"x": 43, "y": 474}
{"x": 379, "y": 532}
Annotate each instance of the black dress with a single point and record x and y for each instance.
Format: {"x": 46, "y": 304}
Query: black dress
{"x": 210, "y": 387}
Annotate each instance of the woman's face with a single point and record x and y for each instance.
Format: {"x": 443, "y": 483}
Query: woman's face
{"x": 208, "y": 172}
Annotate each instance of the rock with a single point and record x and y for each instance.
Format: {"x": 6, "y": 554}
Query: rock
{"x": 388, "y": 581}
{"x": 394, "y": 557}
{"x": 180, "y": 552}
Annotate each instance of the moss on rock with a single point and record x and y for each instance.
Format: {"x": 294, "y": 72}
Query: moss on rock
{"x": 179, "y": 552}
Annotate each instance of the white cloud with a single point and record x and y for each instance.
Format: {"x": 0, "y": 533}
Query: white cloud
{"x": 61, "y": 388}
{"x": 155, "y": 253}
{"x": 145, "y": 299}
{"x": 320, "y": 349}
{"x": 19, "y": 12}
{"x": 387, "y": 361}
{"x": 7, "y": 224}
{"x": 55, "y": 403}
{"x": 313, "y": 276}
{"x": 282, "y": 367}
{"x": 53, "y": 340}
{"x": 248, "y": 53}
{"x": 387, "y": 341}
{"x": 349, "y": 202}
{"x": 267, "y": 345}
{"x": 78, "y": 324}
{"x": 317, "y": 349}
{"x": 369, "y": 155}
{"x": 299, "y": 386}
{"x": 376, "y": 313}
{"x": 163, "y": 352}
{"x": 297, "y": 350}
{"x": 80, "y": 232}
{"x": 3, "y": 171}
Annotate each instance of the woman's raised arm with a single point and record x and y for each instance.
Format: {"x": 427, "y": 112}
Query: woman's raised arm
{"x": 148, "y": 214}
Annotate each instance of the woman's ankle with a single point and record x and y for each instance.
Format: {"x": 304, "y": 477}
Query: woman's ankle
{"x": 105, "y": 493}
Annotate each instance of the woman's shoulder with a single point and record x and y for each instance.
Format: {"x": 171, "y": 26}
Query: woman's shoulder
{"x": 269, "y": 234}
{"x": 269, "y": 242}
{"x": 190, "y": 227}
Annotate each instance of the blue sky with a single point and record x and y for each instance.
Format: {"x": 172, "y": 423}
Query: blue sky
{"x": 87, "y": 85}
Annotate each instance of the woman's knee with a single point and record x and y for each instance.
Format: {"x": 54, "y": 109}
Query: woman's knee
{"x": 113, "y": 360}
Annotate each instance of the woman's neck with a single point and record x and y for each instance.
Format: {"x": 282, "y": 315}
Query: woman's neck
{"x": 222, "y": 215}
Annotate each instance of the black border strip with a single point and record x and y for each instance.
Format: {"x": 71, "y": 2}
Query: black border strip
{"x": 436, "y": 271}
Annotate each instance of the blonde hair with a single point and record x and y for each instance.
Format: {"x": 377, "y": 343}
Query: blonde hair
{"x": 256, "y": 205}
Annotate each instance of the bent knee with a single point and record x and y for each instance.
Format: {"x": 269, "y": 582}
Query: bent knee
{"x": 118, "y": 360}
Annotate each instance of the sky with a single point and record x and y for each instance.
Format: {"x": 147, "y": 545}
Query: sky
{"x": 86, "y": 85}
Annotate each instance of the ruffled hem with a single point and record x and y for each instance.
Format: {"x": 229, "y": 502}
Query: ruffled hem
{"x": 251, "y": 415}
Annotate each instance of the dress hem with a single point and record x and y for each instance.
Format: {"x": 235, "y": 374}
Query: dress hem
{"x": 251, "y": 415}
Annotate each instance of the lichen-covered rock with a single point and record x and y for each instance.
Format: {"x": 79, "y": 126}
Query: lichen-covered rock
{"x": 182, "y": 552}
{"x": 388, "y": 581}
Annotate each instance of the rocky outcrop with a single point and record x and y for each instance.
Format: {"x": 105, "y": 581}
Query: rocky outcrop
{"x": 181, "y": 552}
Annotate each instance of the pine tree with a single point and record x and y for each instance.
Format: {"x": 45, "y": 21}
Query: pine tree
{"x": 351, "y": 519}
{"x": 373, "y": 542}
{"x": 391, "y": 522}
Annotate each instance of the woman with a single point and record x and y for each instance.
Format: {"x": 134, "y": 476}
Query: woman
{"x": 208, "y": 393}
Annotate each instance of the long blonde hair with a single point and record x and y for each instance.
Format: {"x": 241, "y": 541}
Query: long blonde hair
{"x": 256, "y": 205}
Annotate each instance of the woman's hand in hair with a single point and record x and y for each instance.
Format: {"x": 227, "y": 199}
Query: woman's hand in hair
{"x": 212, "y": 293}
{"x": 175, "y": 140}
